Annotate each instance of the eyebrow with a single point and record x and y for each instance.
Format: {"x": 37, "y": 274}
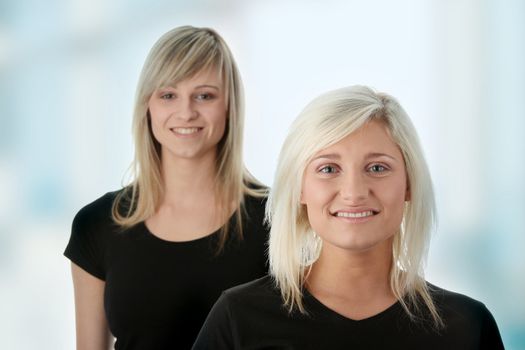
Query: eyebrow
{"x": 377, "y": 154}
{"x": 207, "y": 86}
{"x": 328, "y": 156}
{"x": 336, "y": 156}
{"x": 196, "y": 87}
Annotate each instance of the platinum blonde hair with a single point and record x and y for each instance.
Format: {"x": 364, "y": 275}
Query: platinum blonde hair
{"x": 177, "y": 55}
{"x": 293, "y": 246}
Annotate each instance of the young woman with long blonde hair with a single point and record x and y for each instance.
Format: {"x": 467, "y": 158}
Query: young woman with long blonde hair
{"x": 149, "y": 260}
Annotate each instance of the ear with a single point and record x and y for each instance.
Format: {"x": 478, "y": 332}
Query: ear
{"x": 302, "y": 201}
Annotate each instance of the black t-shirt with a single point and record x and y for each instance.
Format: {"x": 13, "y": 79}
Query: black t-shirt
{"x": 158, "y": 293}
{"x": 251, "y": 316}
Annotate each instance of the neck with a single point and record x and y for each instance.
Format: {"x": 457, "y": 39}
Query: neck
{"x": 355, "y": 276}
{"x": 190, "y": 179}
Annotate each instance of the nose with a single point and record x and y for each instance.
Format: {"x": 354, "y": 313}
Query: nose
{"x": 354, "y": 187}
{"x": 186, "y": 110}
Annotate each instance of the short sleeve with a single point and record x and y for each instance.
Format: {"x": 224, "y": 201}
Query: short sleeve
{"x": 85, "y": 247}
{"x": 490, "y": 336}
{"x": 217, "y": 331}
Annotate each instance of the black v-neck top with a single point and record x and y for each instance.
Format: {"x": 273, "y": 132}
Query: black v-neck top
{"x": 252, "y": 316}
{"x": 157, "y": 292}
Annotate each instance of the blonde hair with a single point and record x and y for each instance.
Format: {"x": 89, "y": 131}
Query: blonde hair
{"x": 177, "y": 55}
{"x": 293, "y": 246}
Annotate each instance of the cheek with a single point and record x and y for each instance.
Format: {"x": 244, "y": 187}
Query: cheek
{"x": 154, "y": 114}
{"x": 394, "y": 200}
{"x": 218, "y": 128}
{"x": 155, "y": 124}
{"x": 222, "y": 122}
{"x": 307, "y": 191}
{"x": 159, "y": 113}
{"x": 156, "y": 121}
{"x": 219, "y": 116}
{"x": 316, "y": 193}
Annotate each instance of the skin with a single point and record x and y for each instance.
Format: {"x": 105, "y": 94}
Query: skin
{"x": 188, "y": 120}
{"x": 91, "y": 326}
{"x": 197, "y": 102}
{"x": 188, "y": 160}
{"x": 362, "y": 175}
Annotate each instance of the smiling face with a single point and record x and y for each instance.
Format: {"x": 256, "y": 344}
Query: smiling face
{"x": 189, "y": 118}
{"x": 354, "y": 191}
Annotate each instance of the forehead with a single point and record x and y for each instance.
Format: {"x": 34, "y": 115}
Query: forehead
{"x": 171, "y": 76}
{"x": 371, "y": 138}
{"x": 208, "y": 76}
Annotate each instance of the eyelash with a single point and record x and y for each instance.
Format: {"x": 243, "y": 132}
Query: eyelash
{"x": 324, "y": 169}
{"x": 384, "y": 168}
{"x": 199, "y": 97}
{"x": 204, "y": 96}
{"x": 327, "y": 166}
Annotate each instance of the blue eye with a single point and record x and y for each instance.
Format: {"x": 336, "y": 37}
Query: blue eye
{"x": 328, "y": 169}
{"x": 377, "y": 168}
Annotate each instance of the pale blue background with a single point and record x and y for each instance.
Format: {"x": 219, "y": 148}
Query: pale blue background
{"x": 68, "y": 71}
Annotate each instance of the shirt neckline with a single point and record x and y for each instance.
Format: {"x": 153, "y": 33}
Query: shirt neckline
{"x": 231, "y": 221}
{"x": 153, "y": 236}
{"x": 325, "y": 311}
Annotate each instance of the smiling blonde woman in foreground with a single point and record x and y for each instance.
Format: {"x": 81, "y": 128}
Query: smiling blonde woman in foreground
{"x": 352, "y": 210}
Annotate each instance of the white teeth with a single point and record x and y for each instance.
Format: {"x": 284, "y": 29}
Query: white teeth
{"x": 185, "y": 131}
{"x": 354, "y": 215}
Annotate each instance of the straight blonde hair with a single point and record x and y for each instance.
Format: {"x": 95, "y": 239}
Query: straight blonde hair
{"x": 293, "y": 246}
{"x": 180, "y": 54}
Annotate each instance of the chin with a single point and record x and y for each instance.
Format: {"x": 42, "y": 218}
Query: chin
{"x": 184, "y": 153}
{"x": 357, "y": 245}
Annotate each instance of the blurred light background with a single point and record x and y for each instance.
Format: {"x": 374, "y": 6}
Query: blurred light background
{"x": 68, "y": 71}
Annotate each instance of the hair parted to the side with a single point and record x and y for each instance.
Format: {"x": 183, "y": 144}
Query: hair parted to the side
{"x": 177, "y": 55}
{"x": 293, "y": 246}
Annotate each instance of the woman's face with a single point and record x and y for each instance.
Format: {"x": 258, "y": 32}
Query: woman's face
{"x": 354, "y": 191}
{"x": 189, "y": 118}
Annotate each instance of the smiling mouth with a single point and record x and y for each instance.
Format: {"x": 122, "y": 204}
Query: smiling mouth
{"x": 185, "y": 131}
{"x": 355, "y": 215}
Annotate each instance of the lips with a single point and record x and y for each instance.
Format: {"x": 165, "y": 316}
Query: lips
{"x": 355, "y": 214}
{"x": 186, "y": 131}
